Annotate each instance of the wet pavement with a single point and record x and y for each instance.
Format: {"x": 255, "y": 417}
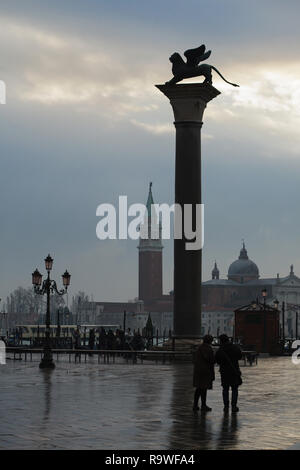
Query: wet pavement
{"x": 144, "y": 406}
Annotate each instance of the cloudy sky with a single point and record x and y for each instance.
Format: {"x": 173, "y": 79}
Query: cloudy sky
{"x": 84, "y": 124}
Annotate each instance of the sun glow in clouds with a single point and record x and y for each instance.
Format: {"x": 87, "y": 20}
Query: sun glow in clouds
{"x": 269, "y": 90}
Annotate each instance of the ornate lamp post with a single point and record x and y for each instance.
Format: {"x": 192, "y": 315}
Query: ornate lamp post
{"x": 48, "y": 286}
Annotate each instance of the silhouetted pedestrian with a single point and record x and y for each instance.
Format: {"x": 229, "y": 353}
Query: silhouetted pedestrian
{"x": 137, "y": 342}
{"x": 128, "y": 335}
{"x": 227, "y": 357}
{"x": 102, "y": 339}
{"x": 204, "y": 373}
{"x": 91, "y": 339}
{"x": 111, "y": 340}
{"x": 120, "y": 339}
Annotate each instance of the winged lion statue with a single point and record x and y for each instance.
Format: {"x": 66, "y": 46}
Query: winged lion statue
{"x": 190, "y": 68}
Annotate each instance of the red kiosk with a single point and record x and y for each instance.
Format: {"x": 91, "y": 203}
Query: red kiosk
{"x": 257, "y": 327}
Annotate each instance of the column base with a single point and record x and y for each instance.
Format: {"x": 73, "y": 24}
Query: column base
{"x": 47, "y": 361}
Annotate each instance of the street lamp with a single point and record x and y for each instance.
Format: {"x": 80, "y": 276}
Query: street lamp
{"x": 48, "y": 263}
{"x": 66, "y": 279}
{"x": 48, "y": 286}
{"x": 36, "y": 278}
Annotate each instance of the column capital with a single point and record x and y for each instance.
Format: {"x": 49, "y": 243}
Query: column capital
{"x": 189, "y": 100}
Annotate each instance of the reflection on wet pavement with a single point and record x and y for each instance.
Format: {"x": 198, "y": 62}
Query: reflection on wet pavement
{"x": 149, "y": 406}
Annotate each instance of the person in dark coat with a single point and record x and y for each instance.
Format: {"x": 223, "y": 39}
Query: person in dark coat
{"x": 137, "y": 342}
{"x": 204, "y": 373}
{"x": 77, "y": 339}
{"x": 91, "y": 340}
{"x": 111, "y": 340}
{"x": 227, "y": 357}
{"x": 102, "y": 343}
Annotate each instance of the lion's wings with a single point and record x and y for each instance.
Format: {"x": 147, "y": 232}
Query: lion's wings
{"x": 194, "y": 56}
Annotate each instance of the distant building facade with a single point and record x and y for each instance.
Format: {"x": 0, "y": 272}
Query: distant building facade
{"x": 220, "y": 297}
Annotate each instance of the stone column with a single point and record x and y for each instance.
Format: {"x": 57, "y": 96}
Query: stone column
{"x": 188, "y": 102}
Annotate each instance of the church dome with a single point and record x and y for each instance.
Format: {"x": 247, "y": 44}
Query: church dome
{"x": 243, "y": 269}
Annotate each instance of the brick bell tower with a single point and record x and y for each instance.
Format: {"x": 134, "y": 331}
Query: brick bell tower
{"x": 150, "y": 254}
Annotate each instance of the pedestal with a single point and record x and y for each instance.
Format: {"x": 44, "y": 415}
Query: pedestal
{"x": 47, "y": 360}
{"x": 188, "y": 102}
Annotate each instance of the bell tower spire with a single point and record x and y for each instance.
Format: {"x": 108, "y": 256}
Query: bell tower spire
{"x": 150, "y": 253}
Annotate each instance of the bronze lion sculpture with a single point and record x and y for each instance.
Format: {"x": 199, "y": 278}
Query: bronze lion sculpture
{"x": 190, "y": 68}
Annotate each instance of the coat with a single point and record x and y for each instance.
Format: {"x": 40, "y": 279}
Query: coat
{"x": 204, "y": 373}
{"x": 227, "y": 357}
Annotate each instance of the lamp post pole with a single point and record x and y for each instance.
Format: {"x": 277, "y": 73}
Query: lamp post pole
{"x": 58, "y": 324}
{"x": 283, "y": 322}
{"x": 47, "y": 361}
{"x": 124, "y": 321}
{"x": 48, "y": 286}
{"x": 264, "y": 294}
{"x": 276, "y": 305}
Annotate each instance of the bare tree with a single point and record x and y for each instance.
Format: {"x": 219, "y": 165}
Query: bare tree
{"x": 24, "y": 306}
{"x": 81, "y": 307}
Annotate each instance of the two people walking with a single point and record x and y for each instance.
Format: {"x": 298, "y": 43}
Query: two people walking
{"x": 227, "y": 357}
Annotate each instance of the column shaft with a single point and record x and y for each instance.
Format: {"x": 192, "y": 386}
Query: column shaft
{"x": 187, "y": 264}
{"x": 188, "y": 102}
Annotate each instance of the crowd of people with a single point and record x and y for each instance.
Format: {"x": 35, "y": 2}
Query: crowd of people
{"x": 227, "y": 357}
{"x": 109, "y": 340}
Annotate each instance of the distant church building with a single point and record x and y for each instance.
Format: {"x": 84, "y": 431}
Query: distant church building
{"x": 151, "y": 300}
{"x": 242, "y": 283}
{"x": 220, "y": 297}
